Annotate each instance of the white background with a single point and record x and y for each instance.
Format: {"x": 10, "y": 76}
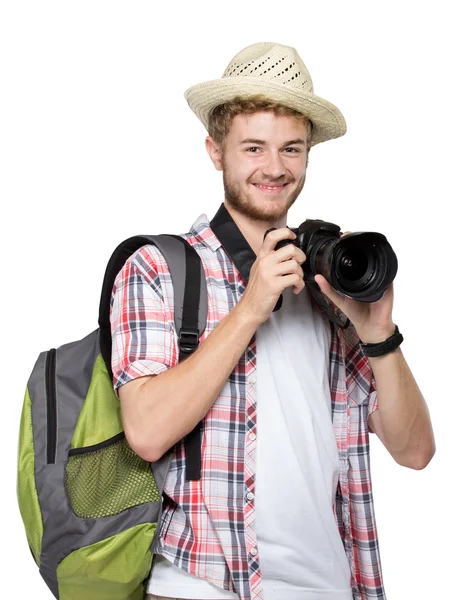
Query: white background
{"x": 98, "y": 143}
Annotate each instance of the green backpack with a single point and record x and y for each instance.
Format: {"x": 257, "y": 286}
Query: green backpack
{"x": 90, "y": 505}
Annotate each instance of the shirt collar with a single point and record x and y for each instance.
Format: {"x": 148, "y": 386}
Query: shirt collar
{"x": 222, "y": 231}
{"x": 202, "y": 231}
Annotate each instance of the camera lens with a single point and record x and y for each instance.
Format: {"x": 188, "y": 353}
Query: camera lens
{"x": 356, "y": 264}
{"x": 353, "y": 264}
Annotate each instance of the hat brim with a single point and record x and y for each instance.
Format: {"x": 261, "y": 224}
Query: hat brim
{"x": 328, "y": 122}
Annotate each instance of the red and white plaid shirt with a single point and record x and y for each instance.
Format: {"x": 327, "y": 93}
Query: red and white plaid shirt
{"x": 208, "y": 526}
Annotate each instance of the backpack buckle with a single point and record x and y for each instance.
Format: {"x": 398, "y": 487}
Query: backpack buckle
{"x": 188, "y": 340}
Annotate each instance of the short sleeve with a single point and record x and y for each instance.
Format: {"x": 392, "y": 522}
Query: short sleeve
{"x": 144, "y": 340}
{"x": 372, "y": 397}
{"x": 361, "y": 381}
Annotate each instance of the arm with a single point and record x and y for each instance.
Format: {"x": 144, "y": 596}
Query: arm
{"x": 402, "y": 421}
{"x": 158, "y": 411}
{"x": 161, "y": 399}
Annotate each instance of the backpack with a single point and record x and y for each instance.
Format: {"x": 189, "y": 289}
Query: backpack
{"x": 91, "y": 507}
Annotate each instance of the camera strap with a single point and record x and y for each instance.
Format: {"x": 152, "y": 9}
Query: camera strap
{"x": 319, "y": 299}
{"x": 243, "y": 257}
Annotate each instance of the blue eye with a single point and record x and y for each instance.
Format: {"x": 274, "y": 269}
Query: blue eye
{"x": 294, "y": 149}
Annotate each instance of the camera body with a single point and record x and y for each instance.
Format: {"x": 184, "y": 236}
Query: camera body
{"x": 359, "y": 265}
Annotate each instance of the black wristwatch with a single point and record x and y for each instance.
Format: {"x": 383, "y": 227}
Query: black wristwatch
{"x": 381, "y": 348}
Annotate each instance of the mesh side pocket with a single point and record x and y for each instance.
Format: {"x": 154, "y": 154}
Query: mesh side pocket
{"x": 107, "y": 478}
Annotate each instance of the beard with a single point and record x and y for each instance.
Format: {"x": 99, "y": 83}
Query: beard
{"x": 269, "y": 212}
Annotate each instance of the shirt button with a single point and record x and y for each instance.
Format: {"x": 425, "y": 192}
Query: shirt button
{"x": 253, "y": 551}
{"x": 253, "y": 378}
{"x": 252, "y": 436}
{"x": 250, "y": 496}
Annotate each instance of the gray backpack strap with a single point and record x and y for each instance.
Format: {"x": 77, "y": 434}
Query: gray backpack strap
{"x": 190, "y": 310}
{"x": 189, "y": 288}
{"x": 186, "y": 272}
{"x": 188, "y": 292}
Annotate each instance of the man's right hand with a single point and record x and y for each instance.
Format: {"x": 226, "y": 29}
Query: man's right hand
{"x": 271, "y": 273}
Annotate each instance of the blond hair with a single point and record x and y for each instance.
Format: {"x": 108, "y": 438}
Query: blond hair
{"x": 221, "y": 117}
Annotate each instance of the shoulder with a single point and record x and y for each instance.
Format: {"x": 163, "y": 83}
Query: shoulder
{"x": 147, "y": 265}
{"x": 148, "y": 261}
{"x": 147, "y": 268}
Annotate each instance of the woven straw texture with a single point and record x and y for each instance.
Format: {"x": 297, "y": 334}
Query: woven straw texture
{"x": 278, "y": 72}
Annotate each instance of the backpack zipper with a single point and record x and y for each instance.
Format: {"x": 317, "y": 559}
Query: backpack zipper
{"x": 51, "y": 406}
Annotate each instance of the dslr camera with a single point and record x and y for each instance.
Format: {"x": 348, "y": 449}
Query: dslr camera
{"x": 359, "y": 265}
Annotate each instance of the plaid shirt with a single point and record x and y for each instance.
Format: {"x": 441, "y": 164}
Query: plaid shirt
{"x": 208, "y": 526}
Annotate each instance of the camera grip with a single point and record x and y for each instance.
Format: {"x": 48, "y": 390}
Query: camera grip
{"x": 281, "y": 243}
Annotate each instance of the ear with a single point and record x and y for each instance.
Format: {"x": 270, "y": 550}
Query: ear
{"x": 214, "y": 152}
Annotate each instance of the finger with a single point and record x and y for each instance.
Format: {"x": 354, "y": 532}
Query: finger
{"x": 345, "y": 233}
{"x": 273, "y": 237}
{"x": 327, "y": 289}
{"x": 290, "y": 251}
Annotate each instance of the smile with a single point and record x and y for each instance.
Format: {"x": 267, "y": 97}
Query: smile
{"x": 270, "y": 189}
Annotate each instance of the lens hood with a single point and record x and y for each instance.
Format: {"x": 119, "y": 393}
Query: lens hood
{"x": 359, "y": 265}
{"x": 362, "y": 266}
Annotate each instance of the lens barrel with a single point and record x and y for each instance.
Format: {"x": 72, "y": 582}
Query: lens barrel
{"x": 358, "y": 265}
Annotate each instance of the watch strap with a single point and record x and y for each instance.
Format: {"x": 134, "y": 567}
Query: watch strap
{"x": 381, "y": 348}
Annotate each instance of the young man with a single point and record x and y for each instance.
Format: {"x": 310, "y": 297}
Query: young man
{"x": 283, "y": 508}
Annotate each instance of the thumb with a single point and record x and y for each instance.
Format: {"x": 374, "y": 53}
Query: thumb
{"x": 327, "y": 289}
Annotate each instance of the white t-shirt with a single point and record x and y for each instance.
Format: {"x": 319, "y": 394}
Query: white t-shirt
{"x": 300, "y": 550}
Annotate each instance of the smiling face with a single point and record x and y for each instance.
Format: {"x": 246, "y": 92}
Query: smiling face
{"x": 264, "y": 164}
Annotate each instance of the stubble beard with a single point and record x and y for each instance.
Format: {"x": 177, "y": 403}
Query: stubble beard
{"x": 268, "y": 212}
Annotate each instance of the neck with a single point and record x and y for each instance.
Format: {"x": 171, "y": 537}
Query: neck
{"x": 253, "y": 230}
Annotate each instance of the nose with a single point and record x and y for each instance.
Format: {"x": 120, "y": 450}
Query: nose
{"x": 274, "y": 166}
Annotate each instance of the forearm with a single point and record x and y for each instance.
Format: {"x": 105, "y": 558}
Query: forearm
{"x": 168, "y": 407}
{"x": 405, "y": 419}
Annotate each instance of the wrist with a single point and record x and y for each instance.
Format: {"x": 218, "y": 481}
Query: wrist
{"x": 388, "y": 345}
{"x": 376, "y": 336}
{"x": 246, "y": 315}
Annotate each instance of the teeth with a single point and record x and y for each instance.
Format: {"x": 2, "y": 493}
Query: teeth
{"x": 269, "y": 187}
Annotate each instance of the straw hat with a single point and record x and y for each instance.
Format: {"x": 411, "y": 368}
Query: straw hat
{"x": 279, "y": 73}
